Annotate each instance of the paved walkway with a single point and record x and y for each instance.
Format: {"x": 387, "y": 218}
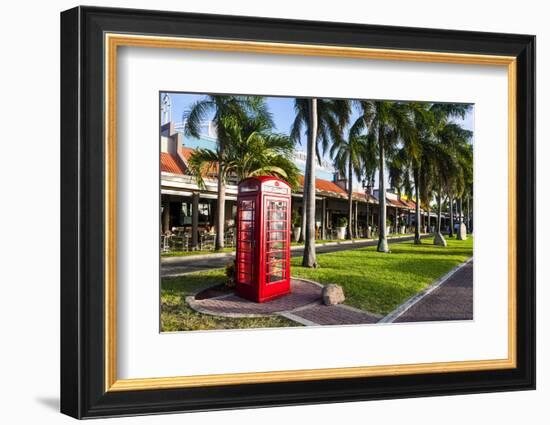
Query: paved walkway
{"x": 302, "y": 305}
{"x": 451, "y": 300}
{"x": 175, "y": 266}
{"x": 302, "y": 293}
{"x": 340, "y": 314}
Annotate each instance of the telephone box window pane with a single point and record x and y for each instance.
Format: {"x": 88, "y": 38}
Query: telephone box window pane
{"x": 275, "y": 278}
{"x": 245, "y": 245}
{"x": 245, "y": 256}
{"x": 277, "y": 225}
{"x": 245, "y": 235}
{"x": 275, "y": 246}
{"x": 245, "y": 278}
{"x": 275, "y": 271}
{"x": 276, "y": 274}
{"x": 277, "y": 205}
{"x": 276, "y": 236}
{"x": 277, "y": 255}
{"x": 277, "y": 215}
{"x": 247, "y": 204}
{"x": 247, "y": 225}
{"x": 275, "y": 266}
{"x": 276, "y": 210}
{"x": 247, "y": 215}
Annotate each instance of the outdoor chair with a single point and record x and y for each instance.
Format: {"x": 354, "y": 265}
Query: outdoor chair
{"x": 230, "y": 238}
{"x": 164, "y": 243}
{"x": 207, "y": 241}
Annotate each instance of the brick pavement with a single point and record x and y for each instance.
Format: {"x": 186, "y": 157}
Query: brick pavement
{"x": 302, "y": 293}
{"x": 453, "y": 300}
{"x": 302, "y": 305}
{"x": 335, "y": 315}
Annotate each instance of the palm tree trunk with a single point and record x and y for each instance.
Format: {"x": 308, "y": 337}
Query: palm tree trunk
{"x": 309, "y": 259}
{"x": 355, "y": 220}
{"x": 451, "y": 215}
{"x": 417, "y": 239}
{"x": 350, "y": 200}
{"x": 302, "y": 237}
{"x": 220, "y": 218}
{"x": 367, "y": 232}
{"x": 439, "y": 210}
{"x": 382, "y": 238}
{"x": 460, "y": 212}
{"x": 468, "y": 214}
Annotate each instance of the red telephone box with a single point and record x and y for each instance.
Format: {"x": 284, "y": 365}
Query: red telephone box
{"x": 263, "y": 239}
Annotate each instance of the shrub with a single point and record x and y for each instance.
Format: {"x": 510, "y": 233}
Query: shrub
{"x": 230, "y": 273}
{"x": 342, "y": 222}
{"x": 296, "y": 218}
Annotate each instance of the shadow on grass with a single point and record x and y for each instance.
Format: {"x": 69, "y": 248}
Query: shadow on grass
{"x": 191, "y": 282}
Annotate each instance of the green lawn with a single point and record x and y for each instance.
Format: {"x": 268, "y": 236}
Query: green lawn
{"x": 380, "y": 282}
{"x": 176, "y": 315}
{"x": 371, "y": 280}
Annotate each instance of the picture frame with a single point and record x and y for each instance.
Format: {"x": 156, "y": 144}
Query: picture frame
{"x": 90, "y": 38}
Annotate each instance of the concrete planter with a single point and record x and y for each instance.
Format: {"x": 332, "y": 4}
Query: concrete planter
{"x": 341, "y": 232}
{"x": 439, "y": 240}
{"x": 461, "y": 233}
{"x": 296, "y": 232}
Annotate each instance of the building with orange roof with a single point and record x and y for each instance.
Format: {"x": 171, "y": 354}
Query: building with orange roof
{"x": 188, "y": 208}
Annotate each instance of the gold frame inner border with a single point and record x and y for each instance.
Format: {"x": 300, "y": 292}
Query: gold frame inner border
{"x": 113, "y": 41}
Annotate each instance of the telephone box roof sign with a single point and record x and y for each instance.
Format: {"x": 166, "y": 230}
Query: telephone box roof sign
{"x": 263, "y": 238}
{"x": 264, "y": 181}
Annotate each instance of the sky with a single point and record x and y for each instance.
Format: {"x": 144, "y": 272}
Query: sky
{"x": 282, "y": 109}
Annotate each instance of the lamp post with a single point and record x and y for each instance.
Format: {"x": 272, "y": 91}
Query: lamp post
{"x": 367, "y": 187}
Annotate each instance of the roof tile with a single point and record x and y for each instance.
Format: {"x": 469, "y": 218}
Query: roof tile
{"x": 324, "y": 186}
{"x": 169, "y": 164}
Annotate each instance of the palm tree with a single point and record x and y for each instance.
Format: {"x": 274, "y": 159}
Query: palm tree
{"x": 417, "y": 151}
{"x": 444, "y": 168}
{"x": 427, "y": 180}
{"x": 469, "y": 198}
{"x": 369, "y": 161}
{"x": 348, "y": 154}
{"x": 452, "y": 134}
{"x": 388, "y": 122}
{"x": 399, "y": 176}
{"x": 451, "y": 211}
{"x": 323, "y": 121}
{"x": 223, "y": 107}
{"x": 464, "y": 152}
{"x": 254, "y": 150}
{"x": 452, "y": 156}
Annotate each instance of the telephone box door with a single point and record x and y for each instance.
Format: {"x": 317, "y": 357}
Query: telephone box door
{"x": 276, "y": 267}
{"x": 246, "y": 222}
